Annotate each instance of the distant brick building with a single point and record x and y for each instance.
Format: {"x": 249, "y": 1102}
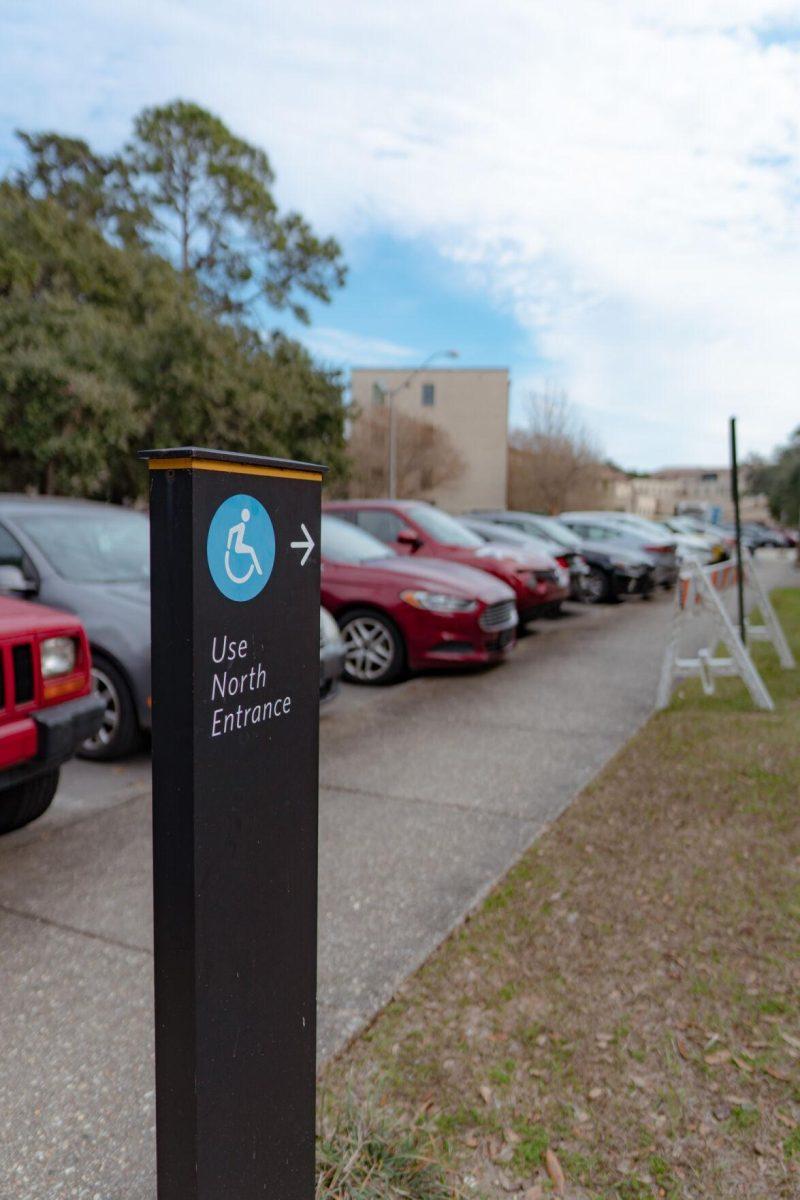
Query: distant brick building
{"x": 675, "y": 489}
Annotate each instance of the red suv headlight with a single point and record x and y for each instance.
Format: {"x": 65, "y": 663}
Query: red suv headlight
{"x": 58, "y": 656}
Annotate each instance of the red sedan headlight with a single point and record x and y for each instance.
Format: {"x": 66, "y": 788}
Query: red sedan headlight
{"x": 439, "y": 602}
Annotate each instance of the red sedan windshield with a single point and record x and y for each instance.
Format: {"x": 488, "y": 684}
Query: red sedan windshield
{"x": 345, "y": 543}
{"x": 443, "y": 528}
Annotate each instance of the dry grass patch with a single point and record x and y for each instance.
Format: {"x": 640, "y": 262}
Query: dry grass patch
{"x": 624, "y": 1008}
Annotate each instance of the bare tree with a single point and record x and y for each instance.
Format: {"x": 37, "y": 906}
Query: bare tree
{"x": 554, "y": 461}
{"x": 426, "y": 456}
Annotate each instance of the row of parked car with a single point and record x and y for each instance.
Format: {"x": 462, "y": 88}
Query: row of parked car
{"x": 405, "y": 586}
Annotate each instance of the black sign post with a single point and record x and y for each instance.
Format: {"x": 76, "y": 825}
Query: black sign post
{"x": 737, "y": 518}
{"x": 235, "y": 616}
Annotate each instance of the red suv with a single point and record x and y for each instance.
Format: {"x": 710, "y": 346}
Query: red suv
{"x": 46, "y": 705}
{"x": 395, "y": 614}
{"x": 411, "y": 526}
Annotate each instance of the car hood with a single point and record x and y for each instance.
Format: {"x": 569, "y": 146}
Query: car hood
{"x": 18, "y": 617}
{"x": 115, "y": 615}
{"x": 431, "y": 573}
{"x": 136, "y": 592}
{"x": 515, "y": 558}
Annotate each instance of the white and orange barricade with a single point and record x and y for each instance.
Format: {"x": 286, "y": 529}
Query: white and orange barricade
{"x": 700, "y": 614}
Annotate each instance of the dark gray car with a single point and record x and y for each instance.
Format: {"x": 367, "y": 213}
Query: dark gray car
{"x": 613, "y": 570}
{"x": 93, "y": 560}
{"x": 609, "y": 534}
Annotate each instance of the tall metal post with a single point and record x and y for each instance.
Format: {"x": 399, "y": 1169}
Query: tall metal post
{"x": 738, "y": 521}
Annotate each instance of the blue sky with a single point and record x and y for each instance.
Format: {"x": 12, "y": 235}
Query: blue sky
{"x": 402, "y": 303}
{"x": 602, "y": 196}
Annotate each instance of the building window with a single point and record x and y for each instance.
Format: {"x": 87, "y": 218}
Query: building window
{"x": 377, "y": 394}
{"x": 428, "y": 395}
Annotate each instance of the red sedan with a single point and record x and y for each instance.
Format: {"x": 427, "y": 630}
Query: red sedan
{"x": 396, "y": 615}
{"x": 411, "y": 526}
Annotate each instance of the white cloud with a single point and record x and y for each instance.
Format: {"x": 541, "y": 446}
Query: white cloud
{"x": 621, "y": 175}
{"x": 337, "y": 346}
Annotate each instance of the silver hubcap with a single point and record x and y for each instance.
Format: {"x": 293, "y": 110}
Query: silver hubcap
{"x": 369, "y": 649}
{"x": 593, "y": 585}
{"x": 111, "y": 717}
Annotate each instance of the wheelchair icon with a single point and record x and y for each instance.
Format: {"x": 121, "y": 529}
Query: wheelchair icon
{"x": 236, "y": 535}
{"x": 240, "y": 547}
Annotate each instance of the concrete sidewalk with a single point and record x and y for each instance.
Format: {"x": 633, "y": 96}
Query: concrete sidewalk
{"x": 430, "y": 790}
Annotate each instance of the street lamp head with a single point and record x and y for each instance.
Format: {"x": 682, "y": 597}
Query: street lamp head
{"x": 451, "y": 354}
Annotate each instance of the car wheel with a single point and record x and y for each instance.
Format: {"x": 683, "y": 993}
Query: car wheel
{"x": 596, "y": 586}
{"x": 24, "y": 802}
{"x": 119, "y": 731}
{"x": 374, "y": 650}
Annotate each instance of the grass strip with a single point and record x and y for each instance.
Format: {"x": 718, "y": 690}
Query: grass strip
{"x": 620, "y": 1020}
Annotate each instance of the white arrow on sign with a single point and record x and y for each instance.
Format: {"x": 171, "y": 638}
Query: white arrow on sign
{"x": 307, "y": 545}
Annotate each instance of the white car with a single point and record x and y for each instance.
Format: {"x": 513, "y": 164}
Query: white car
{"x": 685, "y": 527}
{"x": 688, "y": 545}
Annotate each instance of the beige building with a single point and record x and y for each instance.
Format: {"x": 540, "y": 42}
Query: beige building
{"x": 680, "y": 489}
{"x": 470, "y": 405}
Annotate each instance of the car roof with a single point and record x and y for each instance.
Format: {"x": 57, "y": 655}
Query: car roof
{"x": 374, "y": 503}
{"x": 585, "y": 516}
{"x": 11, "y": 502}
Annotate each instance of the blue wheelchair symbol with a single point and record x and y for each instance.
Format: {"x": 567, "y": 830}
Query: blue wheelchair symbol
{"x": 241, "y": 547}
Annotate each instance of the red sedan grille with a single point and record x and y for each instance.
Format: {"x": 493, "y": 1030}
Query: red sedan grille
{"x": 502, "y": 615}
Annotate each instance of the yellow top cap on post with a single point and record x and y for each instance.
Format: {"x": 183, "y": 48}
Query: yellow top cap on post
{"x": 198, "y": 458}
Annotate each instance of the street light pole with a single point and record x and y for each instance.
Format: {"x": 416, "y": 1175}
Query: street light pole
{"x": 389, "y": 395}
{"x": 392, "y": 450}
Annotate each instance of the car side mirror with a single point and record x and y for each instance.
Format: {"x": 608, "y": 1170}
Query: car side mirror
{"x": 407, "y": 537}
{"x": 13, "y": 582}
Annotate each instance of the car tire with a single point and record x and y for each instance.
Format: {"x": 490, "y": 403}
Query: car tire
{"x": 374, "y": 649}
{"x": 119, "y": 733}
{"x": 24, "y": 802}
{"x": 596, "y": 586}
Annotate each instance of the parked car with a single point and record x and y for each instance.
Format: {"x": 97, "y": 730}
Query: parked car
{"x": 713, "y": 546}
{"x": 93, "y": 560}
{"x": 720, "y": 543}
{"x": 413, "y": 527}
{"x": 613, "y": 571}
{"x": 659, "y": 545}
{"x": 612, "y": 535}
{"x": 755, "y": 535}
{"x": 570, "y": 560}
{"x": 331, "y": 656}
{"x": 46, "y": 704}
{"x": 399, "y": 614}
{"x": 688, "y": 546}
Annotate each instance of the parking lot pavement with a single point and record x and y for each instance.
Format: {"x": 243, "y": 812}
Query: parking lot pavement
{"x": 430, "y": 791}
